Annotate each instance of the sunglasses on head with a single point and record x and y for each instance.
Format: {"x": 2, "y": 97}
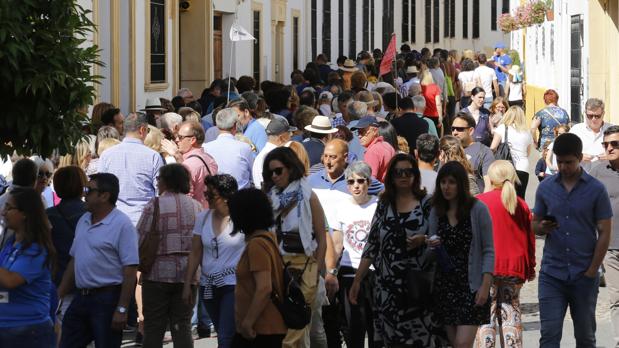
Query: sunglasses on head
{"x": 459, "y": 129}
{"x": 613, "y": 143}
{"x": 358, "y": 181}
{"x": 42, "y": 175}
{"x": 403, "y": 172}
{"x": 277, "y": 171}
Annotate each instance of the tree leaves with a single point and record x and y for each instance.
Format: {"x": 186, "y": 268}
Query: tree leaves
{"x": 45, "y": 75}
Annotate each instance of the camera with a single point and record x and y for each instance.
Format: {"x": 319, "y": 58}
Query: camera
{"x": 184, "y": 5}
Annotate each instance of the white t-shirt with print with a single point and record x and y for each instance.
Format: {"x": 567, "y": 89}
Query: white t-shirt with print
{"x": 519, "y": 142}
{"x": 354, "y": 222}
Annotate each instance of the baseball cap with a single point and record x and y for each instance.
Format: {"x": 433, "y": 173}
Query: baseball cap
{"x": 365, "y": 122}
{"x": 499, "y": 45}
{"x": 279, "y": 125}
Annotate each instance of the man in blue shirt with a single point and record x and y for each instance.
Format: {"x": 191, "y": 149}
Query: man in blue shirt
{"x": 103, "y": 269}
{"x": 503, "y": 64}
{"x": 253, "y": 130}
{"x": 573, "y": 211}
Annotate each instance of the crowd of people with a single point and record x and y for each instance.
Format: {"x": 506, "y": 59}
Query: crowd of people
{"x": 394, "y": 204}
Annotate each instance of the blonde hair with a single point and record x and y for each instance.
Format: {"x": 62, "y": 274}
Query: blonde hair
{"x": 154, "y": 138}
{"x": 81, "y": 157}
{"x": 106, "y": 144}
{"x": 426, "y": 78}
{"x": 514, "y": 116}
{"x": 301, "y": 153}
{"x": 451, "y": 150}
{"x": 470, "y": 54}
{"x": 403, "y": 145}
{"x": 503, "y": 175}
{"x": 193, "y": 116}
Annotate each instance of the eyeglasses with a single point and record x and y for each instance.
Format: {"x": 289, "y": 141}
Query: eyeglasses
{"x": 88, "y": 190}
{"x": 459, "y": 129}
{"x": 42, "y": 175}
{"x": 181, "y": 137}
{"x": 596, "y": 116}
{"x": 277, "y": 171}
{"x": 358, "y": 181}
{"x": 613, "y": 143}
{"x": 403, "y": 172}
{"x": 215, "y": 247}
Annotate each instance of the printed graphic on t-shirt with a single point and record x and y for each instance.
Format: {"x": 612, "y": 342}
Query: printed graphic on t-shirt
{"x": 356, "y": 234}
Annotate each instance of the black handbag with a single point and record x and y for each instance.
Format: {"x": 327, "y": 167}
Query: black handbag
{"x": 503, "y": 152}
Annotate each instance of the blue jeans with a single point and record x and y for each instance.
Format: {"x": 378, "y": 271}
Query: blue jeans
{"x": 221, "y": 310}
{"x": 31, "y": 336}
{"x": 555, "y": 296}
{"x": 88, "y": 318}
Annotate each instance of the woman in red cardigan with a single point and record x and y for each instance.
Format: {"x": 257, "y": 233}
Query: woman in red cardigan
{"x": 514, "y": 244}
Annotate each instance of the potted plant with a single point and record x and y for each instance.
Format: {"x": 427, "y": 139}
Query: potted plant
{"x": 538, "y": 11}
{"x": 550, "y": 10}
{"x": 507, "y": 23}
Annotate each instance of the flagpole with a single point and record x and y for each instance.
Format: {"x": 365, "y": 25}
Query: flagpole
{"x": 230, "y": 72}
{"x": 394, "y": 70}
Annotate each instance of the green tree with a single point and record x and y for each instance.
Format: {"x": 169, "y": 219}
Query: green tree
{"x": 45, "y": 75}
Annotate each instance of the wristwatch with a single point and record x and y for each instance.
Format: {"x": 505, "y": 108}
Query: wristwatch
{"x": 121, "y": 309}
{"x": 333, "y": 272}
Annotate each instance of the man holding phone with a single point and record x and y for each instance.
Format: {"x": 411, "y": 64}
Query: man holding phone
{"x": 607, "y": 171}
{"x": 573, "y": 210}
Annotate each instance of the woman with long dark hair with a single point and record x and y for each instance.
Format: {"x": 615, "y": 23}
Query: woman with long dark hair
{"x": 396, "y": 244}
{"x": 481, "y": 115}
{"x": 463, "y": 229}
{"x": 26, "y": 265}
{"x": 299, "y": 224}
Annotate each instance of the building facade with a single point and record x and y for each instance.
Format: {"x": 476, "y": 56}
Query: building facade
{"x": 575, "y": 54}
{"x": 151, "y": 48}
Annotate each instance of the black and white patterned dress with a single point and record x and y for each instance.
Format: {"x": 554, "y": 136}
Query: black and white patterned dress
{"x": 396, "y": 321}
{"x": 455, "y": 303}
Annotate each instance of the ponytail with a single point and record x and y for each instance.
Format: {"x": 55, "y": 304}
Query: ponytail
{"x": 508, "y": 196}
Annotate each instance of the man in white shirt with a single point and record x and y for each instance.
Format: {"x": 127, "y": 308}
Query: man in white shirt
{"x": 487, "y": 78}
{"x": 278, "y": 132}
{"x": 591, "y": 132}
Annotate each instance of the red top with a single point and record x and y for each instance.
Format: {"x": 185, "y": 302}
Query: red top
{"x": 514, "y": 241}
{"x": 430, "y": 92}
{"x": 377, "y": 156}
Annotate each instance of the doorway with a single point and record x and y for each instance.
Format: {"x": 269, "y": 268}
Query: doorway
{"x": 218, "y": 45}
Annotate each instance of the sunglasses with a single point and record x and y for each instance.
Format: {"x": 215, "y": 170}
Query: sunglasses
{"x": 358, "y": 181}
{"x": 88, "y": 190}
{"x": 182, "y": 137}
{"x": 592, "y": 116}
{"x": 403, "y": 172}
{"x": 459, "y": 129}
{"x": 613, "y": 143}
{"x": 42, "y": 175}
{"x": 277, "y": 171}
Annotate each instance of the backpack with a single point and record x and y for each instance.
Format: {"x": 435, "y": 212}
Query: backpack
{"x": 295, "y": 312}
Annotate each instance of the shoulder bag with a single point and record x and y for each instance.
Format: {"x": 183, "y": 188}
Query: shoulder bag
{"x": 503, "y": 152}
{"x": 150, "y": 244}
{"x": 293, "y": 308}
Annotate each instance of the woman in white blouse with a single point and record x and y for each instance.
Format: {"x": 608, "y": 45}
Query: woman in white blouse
{"x": 514, "y": 127}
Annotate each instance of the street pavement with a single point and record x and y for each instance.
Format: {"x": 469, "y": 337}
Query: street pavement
{"x": 528, "y": 299}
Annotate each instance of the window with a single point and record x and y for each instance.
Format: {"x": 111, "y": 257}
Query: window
{"x": 405, "y": 20}
{"x": 372, "y": 24}
{"x": 157, "y": 41}
{"x": 414, "y": 21}
{"x": 295, "y": 43}
{"x": 475, "y": 19}
{"x": 493, "y": 15}
{"x": 428, "y": 21}
{"x": 447, "y": 17}
{"x": 326, "y": 28}
{"x": 352, "y": 28}
{"x": 437, "y": 21}
{"x": 366, "y": 27}
{"x": 340, "y": 26}
{"x": 505, "y": 6}
{"x": 387, "y": 22}
{"x": 452, "y": 18}
{"x": 314, "y": 29}
{"x": 465, "y": 19}
{"x": 256, "y": 48}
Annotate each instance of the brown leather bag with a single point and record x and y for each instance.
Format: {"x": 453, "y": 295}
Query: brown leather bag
{"x": 150, "y": 244}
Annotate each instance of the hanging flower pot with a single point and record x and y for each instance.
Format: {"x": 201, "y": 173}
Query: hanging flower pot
{"x": 550, "y": 15}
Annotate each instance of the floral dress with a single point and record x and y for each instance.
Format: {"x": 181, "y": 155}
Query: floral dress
{"x": 550, "y": 117}
{"x": 455, "y": 303}
{"x": 396, "y": 321}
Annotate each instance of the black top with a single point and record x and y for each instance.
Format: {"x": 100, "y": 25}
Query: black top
{"x": 410, "y": 126}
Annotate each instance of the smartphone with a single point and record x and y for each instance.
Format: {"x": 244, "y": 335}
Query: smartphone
{"x": 550, "y": 218}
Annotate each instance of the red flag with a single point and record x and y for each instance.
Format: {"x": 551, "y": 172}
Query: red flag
{"x": 385, "y": 64}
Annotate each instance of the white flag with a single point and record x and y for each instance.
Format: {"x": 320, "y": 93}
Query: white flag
{"x": 238, "y": 33}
